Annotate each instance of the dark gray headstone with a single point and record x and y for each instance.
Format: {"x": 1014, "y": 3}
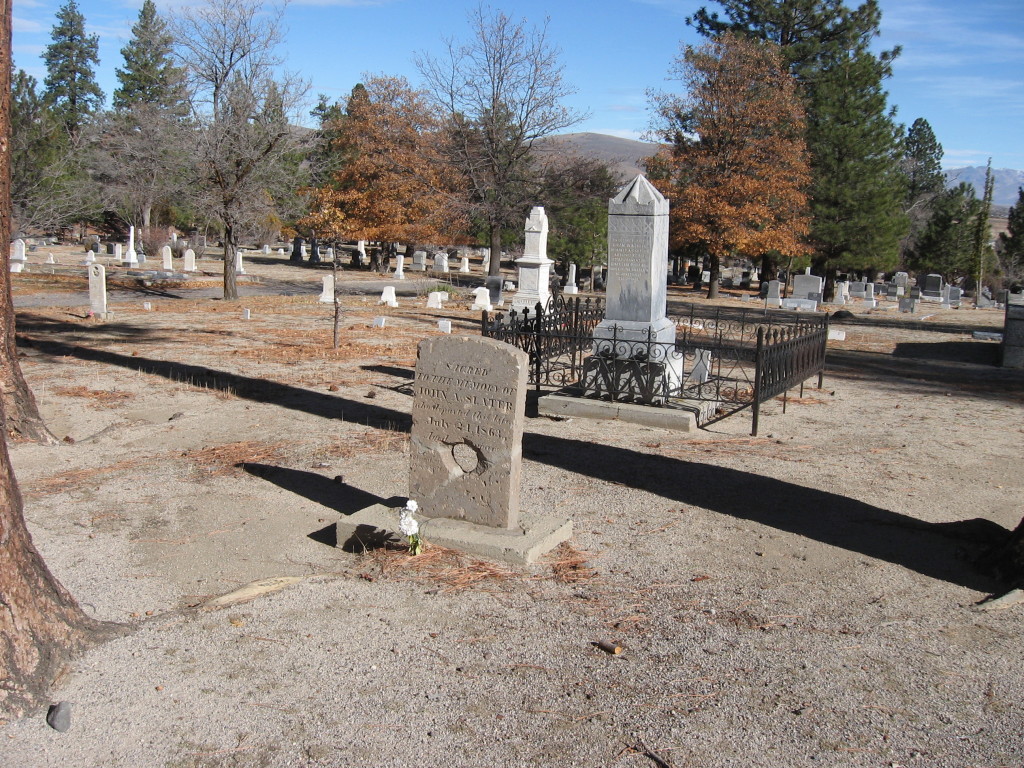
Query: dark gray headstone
{"x": 493, "y": 284}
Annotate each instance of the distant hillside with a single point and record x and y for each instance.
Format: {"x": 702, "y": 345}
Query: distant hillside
{"x": 623, "y": 156}
{"x": 1004, "y": 190}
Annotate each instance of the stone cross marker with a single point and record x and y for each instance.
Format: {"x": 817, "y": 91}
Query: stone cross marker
{"x": 98, "y": 289}
{"x": 637, "y": 266}
{"x": 467, "y": 427}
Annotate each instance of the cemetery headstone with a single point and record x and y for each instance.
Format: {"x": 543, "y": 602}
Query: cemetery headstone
{"x": 239, "y": 266}
{"x": 534, "y": 266}
{"x": 435, "y": 299}
{"x": 98, "y": 289}
{"x": 494, "y": 284}
{"x": 419, "y": 261}
{"x": 441, "y": 262}
{"x": 464, "y": 266}
{"x": 570, "y": 282}
{"x": 467, "y": 423}
{"x": 189, "y": 260}
{"x": 165, "y": 258}
{"x": 387, "y": 296}
{"x": 297, "y": 245}
{"x": 400, "y": 269}
{"x": 774, "y": 296}
{"x": 18, "y": 251}
{"x": 806, "y": 284}
{"x": 327, "y": 296}
{"x": 131, "y": 258}
{"x": 482, "y": 300}
{"x": 444, "y": 326}
{"x": 933, "y": 287}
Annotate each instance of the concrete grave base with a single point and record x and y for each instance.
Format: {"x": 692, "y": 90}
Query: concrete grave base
{"x": 535, "y": 536}
{"x": 567, "y": 406}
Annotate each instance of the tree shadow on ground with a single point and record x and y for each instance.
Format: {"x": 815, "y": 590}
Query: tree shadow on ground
{"x": 919, "y": 371}
{"x": 972, "y": 352}
{"x": 939, "y": 550}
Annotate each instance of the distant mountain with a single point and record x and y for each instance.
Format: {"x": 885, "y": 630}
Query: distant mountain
{"x": 623, "y": 156}
{"x": 1006, "y": 182}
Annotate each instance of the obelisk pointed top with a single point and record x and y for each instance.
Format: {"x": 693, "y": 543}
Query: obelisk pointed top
{"x": 638, "y": 197}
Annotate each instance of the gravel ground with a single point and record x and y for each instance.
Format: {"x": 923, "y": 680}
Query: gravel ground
{"x": 802, "y": 598}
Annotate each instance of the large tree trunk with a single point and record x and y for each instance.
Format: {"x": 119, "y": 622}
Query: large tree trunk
{"x": 716, "y": 271}
{"x": 40, "y": 623}
{"x": 23, "y": 421}
{"x": 230, "y": 283}
{"x": 495, "y": 266}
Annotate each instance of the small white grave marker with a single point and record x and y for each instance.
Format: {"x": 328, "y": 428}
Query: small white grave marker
{"x": 444, "y": 326}
{"x": 482, "y": 299}
{"x": 327, "y": 297}
{"x": 246, "y": 314}
{"x": 435, "y": 300}
{"x": 166, "y": 261}
{"x": 388, "y": 297}
{"x": 378, "y": 322}
{"x": 190, "y": 260}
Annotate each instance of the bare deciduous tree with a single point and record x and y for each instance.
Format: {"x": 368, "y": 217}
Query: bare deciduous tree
{"x": 247, "y": 153}
{"x": 502, "y": 90}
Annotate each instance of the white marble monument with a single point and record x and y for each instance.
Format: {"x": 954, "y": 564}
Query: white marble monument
{"x": 534, "y": 266}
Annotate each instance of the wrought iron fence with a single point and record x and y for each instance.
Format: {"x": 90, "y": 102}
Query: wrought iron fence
{"x": 556, "y": 337}
{"x": 723, "y": 359}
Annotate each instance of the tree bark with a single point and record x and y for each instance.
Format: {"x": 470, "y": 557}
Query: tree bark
{"x": 716, "y": 271}
{"x": 230, "y": 283}
{"x": 495, "y": 264}
{"x": 41, "y": 625}
{"x": 23, "y": 421}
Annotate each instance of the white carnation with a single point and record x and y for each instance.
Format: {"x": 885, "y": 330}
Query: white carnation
{"x": 411, "y": 506}
{"x": 407, "y": 523}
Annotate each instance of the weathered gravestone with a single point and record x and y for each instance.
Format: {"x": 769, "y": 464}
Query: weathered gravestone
{"x": 482, "y": 299}
{"x": 98, "y": 289}
{"x": 327, "y": 296}
{"x": 297, "y": 246}
{"x": 166, "y": 261}
{"x": 806, "y": 284}
{"x": 189, "y": 260}
{"x": 493, "y": 283}
{"x": 570, "y": 282}
{"x": 467, "y": 426}
{"x": 441, "y": 262}
{"x": 774, "y": 295}
{"x": 534, "y": 266}
{"x": 933, "y": 288}
{"x": 388, "y": 297}
{"x": 466, "y": 454}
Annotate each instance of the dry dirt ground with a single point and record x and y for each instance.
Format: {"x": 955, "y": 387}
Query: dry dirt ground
{"x": 803, "y": 598}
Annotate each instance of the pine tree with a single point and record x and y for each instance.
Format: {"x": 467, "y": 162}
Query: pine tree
{"x": 858, "y": 190}
{"x": 946, "y": 242}
{"x": 70, "y": 84}
{"x": 922, "y": 170}
{"x": 826, "y": 46}
{"x": 1011, "y": 242}
{"x": 149, "y": 75}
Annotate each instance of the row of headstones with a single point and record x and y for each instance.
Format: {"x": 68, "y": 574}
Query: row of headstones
{"x": 482, "y": 296}
{"x": 807, "y": 292}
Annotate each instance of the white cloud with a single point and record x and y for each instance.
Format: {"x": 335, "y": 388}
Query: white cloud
{"x": 26, "y": 26}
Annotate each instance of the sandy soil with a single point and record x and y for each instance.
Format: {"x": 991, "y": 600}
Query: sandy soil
{"x": 802, "y": 598}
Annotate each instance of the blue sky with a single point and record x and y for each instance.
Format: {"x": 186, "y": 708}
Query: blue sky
{"x": 962, "y": 67}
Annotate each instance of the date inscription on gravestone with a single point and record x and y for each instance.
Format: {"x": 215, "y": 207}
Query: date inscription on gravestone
{"x": 467, "y": 428}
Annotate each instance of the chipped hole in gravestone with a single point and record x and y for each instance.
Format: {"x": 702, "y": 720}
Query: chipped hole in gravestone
{"x": 466, "y": 457}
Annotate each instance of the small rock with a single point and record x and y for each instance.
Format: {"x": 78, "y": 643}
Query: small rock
{"x": 69, "y": 440}
{"x": 177, "y": 415}
{"x": 371, "y": 394}
{"x": 332, "y": 388}
{"x": 59, "y": 716}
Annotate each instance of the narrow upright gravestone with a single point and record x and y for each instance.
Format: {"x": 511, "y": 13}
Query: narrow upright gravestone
{"x": 466, "y": 454}
{"x": 98, "y": 289}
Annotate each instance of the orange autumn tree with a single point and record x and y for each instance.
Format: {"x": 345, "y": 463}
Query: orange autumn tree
{"x": 393, "y": 186}
{"x": 735, "y": 166}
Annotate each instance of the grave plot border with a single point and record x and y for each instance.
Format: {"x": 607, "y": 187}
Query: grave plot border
{"x": 750, "y": 356}
{"x": 557, "y": 337}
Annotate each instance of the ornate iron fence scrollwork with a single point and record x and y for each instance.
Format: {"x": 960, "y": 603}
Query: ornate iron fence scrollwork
{"x": 724, "y": 359}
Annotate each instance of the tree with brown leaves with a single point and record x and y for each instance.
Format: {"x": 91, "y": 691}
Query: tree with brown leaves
{"x": 393, "y": 185}
{"x": 736, "y": 168}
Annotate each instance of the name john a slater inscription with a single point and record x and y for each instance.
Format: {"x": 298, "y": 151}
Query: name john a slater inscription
{"x": 462, "y": 405}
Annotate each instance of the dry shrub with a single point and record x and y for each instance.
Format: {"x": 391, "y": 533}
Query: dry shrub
{"x": 77, "y": 477}
{"x": 102, "y": 398}
{"x": 226, "y": 459}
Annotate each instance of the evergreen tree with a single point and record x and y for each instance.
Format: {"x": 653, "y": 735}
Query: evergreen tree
{"x": 1011, "y": 242}
{"x": 946, "y": 243}
{"x": 70, "y": 84}
{"x": 149, "y": 75}
{"x": 922, "y": 170}
{"x": 857, "y": 190}
{"x": 826, "y": 46}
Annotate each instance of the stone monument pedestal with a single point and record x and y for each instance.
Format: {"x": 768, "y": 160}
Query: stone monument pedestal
{"x": 533, "y": 536}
